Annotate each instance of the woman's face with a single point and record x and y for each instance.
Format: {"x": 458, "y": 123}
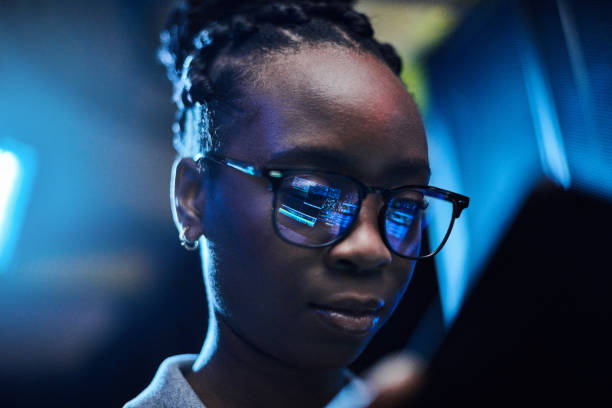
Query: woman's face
{"x": 329, "y": 108}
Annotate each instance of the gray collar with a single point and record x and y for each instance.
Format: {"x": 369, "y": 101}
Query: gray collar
{"x": 170, "y": 389}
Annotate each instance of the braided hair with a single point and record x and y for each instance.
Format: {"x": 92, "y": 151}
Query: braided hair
{"x": 210, "y": 47}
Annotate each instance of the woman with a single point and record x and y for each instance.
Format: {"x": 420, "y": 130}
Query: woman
{"x": 287, "y": 112}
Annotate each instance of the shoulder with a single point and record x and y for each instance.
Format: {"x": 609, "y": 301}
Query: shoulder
{"x": 169, "y": 387}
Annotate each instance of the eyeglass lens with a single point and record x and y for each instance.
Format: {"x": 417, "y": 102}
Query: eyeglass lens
{"x": 315, "y": 210}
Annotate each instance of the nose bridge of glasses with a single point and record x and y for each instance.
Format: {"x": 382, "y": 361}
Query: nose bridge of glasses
{"x": 383, "y": 192}
{"x": 365, "y": 237}
{"x": 371, "y": 200}
{"x": 364, "y": 192}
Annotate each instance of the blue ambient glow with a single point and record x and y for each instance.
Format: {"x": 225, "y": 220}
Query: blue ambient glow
{"x": 452, "y": 262}
{"x": 9, "y": 169}
{"x": 14, "y": 183}
{"x": 495, "y": 134}
{"x": 545, "y": 120}
{"x": 584, "y": 103}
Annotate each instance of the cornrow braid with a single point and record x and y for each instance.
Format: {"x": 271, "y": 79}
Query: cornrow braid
{"x": 198, "y": 32}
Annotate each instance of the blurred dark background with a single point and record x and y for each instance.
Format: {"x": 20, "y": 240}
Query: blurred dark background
{"x": 95, "y": 290}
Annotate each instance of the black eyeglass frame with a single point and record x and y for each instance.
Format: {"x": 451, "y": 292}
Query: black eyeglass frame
{"x": 275, "y": 176}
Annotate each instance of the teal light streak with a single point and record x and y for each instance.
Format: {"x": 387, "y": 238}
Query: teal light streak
{"x": 245, "y": 169}
{"x": 298, "y": 216}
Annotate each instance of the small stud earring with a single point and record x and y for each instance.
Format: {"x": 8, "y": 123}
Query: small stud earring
{"x": 185, "y": 243}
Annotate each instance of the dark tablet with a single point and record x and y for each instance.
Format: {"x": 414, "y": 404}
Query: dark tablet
{"x": 535, "y": 329}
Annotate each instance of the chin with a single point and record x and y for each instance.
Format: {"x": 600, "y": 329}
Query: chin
{"x": 327, "y": 355}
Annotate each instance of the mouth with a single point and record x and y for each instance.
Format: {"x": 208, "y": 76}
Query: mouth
{"x": 349, "y": 316}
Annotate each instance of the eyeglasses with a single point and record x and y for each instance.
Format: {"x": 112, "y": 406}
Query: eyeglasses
{"x": 314, "y": 208}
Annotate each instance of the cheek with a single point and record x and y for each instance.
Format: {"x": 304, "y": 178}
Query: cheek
{"x": 402, "y": 273}
{"x": 259, "y": 282}
{"x": 238, "y": 218}
{"x": 256, "y": 272}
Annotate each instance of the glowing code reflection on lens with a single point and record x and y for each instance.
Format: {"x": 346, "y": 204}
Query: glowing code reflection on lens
{"x": 314, "y": 209}
{"x": 297, "y": 215}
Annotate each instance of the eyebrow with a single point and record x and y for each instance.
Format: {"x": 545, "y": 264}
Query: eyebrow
{"x": 333, "y": 159}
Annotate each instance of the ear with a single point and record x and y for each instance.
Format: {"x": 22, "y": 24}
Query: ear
{"x": 187, "y": 198}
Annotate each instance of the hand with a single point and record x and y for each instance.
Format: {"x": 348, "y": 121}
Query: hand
{"x": 395, "y": 380}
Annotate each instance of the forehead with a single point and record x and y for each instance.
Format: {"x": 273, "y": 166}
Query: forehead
{"x": 335, "y": 101}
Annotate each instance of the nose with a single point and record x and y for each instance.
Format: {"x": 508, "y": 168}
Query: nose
{"x": 363, "y": 249}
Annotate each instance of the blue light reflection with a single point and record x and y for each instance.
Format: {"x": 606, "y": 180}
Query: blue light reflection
{"x": 16, "y": 168}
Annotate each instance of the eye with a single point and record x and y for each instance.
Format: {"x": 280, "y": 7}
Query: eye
{"x": 412, "y": 205}
{"x": 411, "y": 201}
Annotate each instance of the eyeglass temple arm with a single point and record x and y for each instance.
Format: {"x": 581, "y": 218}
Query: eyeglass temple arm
{"x": 235, "y": 164}
{"x": 461, "y": 203}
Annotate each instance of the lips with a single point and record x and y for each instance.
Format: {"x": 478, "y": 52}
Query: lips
{"x": 353, "y": 304}
{"x": 349, "y": 315}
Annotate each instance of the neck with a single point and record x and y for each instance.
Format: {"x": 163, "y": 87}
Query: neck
{"x": 230, "y": 372}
